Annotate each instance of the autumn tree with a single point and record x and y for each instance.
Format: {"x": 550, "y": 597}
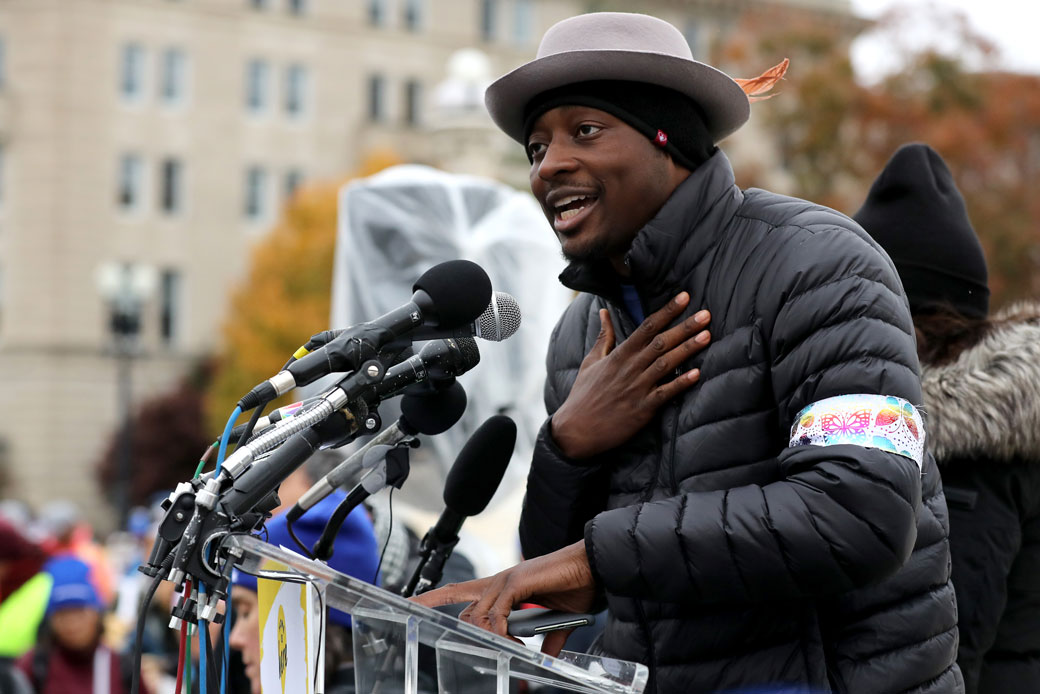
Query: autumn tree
{"x": 835, "y": 133}
{"x": 285, "y": 297}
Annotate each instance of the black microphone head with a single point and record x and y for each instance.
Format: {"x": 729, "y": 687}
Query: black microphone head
{"x": 459, "y": 291}
{"x": 470, "y": 354}
{"x": 479, "y": 467}
{"x": 433, "y": 413}
{"x": 448, "y": 357}
{"x": 500, "y": 319}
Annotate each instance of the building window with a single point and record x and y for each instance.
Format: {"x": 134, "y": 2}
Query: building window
{"x": 488, "y": 19}
{"x": 256, "y": 193}
{"x": 523, "y": 21}
{"x": 171, "y": 187}
{"x": 413, "y": 15}
{"x": 258, "y": 4}
{"x": 297, "y": 6}
{"x": 173, "y": 76}
{"x": 293, "y": 179}
{"x": 170, "y": 302}
{"x": 131, "y": 171}
{"x": 295, "y": 90}
{"x": 412, "y": 102}
{"x": 131, "y": 71}
{"x": 377, "y": 12}
{"x": 376, "y": 98}
{"x": 257, "y": 86}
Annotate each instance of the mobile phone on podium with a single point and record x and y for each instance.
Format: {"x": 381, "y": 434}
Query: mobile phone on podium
{"x": 540, "y": 620}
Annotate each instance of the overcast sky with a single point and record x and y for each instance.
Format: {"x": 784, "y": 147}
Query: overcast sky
{"x": 1013, "y": 25}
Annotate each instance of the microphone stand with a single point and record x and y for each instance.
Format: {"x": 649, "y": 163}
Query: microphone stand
{"x": 391, "y": 471}
{"x": 433, "y": 554}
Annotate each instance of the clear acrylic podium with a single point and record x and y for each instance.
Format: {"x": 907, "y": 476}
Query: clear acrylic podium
{"x": 391, "y": 632}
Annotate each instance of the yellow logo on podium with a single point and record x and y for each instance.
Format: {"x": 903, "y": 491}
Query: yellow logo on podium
{"x": 283, "y": 648}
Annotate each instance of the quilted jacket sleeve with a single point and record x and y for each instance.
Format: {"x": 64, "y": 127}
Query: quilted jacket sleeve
{"x": 561, "y": 495}
{"x": 839, "y": 516}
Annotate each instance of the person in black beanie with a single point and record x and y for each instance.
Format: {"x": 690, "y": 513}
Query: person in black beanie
{"x": 755, "y": 503}
{"x": 981, "y": 384}
{"x": 916, "y": 213}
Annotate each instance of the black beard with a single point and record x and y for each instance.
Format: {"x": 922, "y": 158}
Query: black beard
{"x": 599, "y": 250}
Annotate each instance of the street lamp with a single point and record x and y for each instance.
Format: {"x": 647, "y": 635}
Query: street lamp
{"x": 125, "y": 287}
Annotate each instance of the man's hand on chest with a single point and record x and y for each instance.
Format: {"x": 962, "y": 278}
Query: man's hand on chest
{"x": 618, "y": 390}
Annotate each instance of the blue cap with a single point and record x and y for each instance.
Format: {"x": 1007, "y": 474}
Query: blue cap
{"x": 355, "y": 551}
{"x": 139, "y": 521}
{"x": 71, "y": 585}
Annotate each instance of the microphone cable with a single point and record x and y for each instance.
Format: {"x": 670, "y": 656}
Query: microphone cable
{"x": 389, "y": 531}
{"x": 203, "y": 670}
{"x": 142, "y": 611}
{"x": 257, "y": 412}
{"x": 182, "y": 648}
{"x": 299, "y": 543}
{"x": 250, "y": 425}
{"x": 147, "y": 600}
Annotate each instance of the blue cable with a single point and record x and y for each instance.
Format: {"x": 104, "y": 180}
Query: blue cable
{"x": 225, "y": 670}
{"x": 221, "y": 452}
{"x": 203, "y": 646}
{"x": 227, "y": 435}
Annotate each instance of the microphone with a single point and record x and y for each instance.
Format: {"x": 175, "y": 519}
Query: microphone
{"x": 447, "y": 296}
{"x": 426, "y": 414}
{"x": 499, "y": 321}
{"x": 471, "y": 483}
{"x": 437, "y": 362}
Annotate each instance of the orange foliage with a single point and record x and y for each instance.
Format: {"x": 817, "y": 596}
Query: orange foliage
{"x": 285, "y": 297}
{"x": 758, "y": 88}
{"x": 835, "y": 134}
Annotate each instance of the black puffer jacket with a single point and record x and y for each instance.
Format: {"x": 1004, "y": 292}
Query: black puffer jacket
{"x": 729, "y": 559}
{"x": 984, "y": 428}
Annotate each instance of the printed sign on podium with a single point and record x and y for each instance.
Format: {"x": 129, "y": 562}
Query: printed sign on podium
{"x": 290, "y": 627}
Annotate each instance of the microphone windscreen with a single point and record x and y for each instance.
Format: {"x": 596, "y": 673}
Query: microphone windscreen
{"x": 500, "y": 319}
{"x": 436, "y": 412}
{"x": 459, "y": 289}
{"x": 479, "y": 467}
{"x": 470, "y": 354}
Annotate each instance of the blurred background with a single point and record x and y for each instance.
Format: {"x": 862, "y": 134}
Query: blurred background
{"x": 170, "y": 175}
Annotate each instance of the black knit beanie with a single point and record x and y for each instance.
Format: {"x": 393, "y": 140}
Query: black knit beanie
{"x": 916, "y": 213}
{"x": 671, "y": 120}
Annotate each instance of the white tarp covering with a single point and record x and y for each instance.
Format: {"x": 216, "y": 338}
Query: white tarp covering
{"x": 396, "y": 225}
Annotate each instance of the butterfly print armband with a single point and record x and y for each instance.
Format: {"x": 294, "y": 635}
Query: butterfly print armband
{"x": 872, "y": 421}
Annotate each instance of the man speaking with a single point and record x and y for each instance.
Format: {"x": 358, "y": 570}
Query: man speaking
{"x": 760, "y": 513}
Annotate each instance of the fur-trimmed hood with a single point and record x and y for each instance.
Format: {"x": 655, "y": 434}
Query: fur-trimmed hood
{"x": 986, "y": 403}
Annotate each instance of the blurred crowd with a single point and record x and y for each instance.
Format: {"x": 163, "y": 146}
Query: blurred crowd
{"x": 69, "y": 599}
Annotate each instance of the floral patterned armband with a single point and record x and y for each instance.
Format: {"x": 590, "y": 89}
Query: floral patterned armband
{"x": 872, "y": 421}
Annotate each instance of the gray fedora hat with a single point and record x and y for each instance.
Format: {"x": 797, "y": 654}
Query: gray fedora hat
{"x": 618, "y": 46}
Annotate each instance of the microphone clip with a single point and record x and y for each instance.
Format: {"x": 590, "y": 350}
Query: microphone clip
{"x": 433, "y": 555}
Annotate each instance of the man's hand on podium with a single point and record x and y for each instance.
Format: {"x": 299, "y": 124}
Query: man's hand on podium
{"x": 561, "y": 580}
